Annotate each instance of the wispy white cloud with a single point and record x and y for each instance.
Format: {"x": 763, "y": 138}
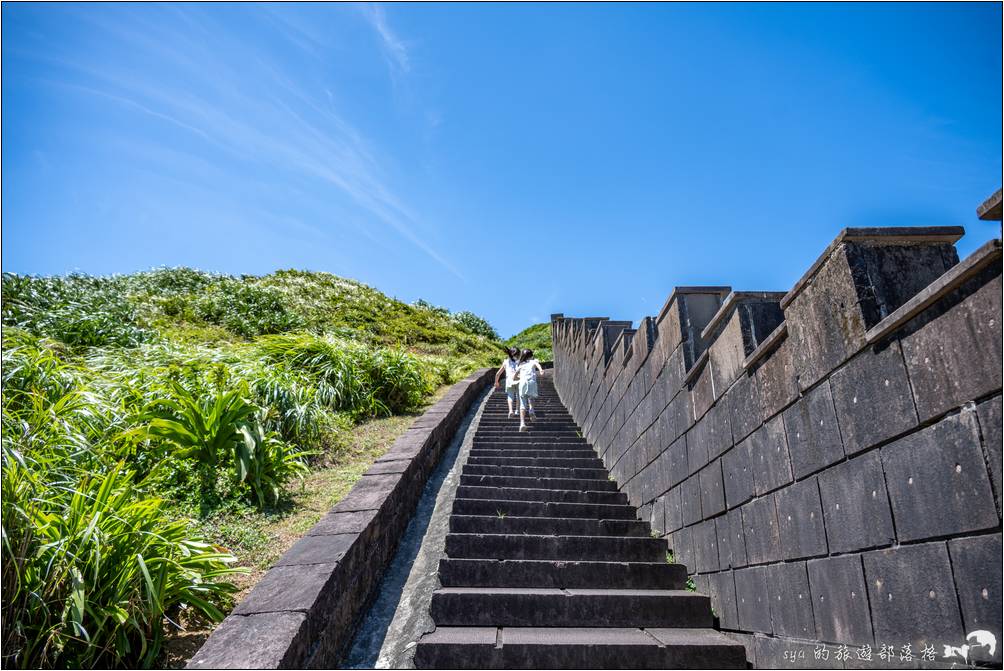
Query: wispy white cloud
{"x": 254, "y": 110}
{"x": 393, "y": 47}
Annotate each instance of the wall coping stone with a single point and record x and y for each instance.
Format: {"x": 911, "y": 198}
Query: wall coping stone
{"x": 696, "y": 369}
{"x": 953, "y": 277}
{"x": 305, "y": 609}
{"x": 990, "y": 209}
{"x": 677, "y": 291}
{"x": 732, "y": 302}
{"x": 889, "y": 235}
{"x": 769, "y": 344}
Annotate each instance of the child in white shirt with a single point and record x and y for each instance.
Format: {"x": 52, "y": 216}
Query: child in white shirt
{"x": 526, "y": 373}
{"x": 511, "y": 386}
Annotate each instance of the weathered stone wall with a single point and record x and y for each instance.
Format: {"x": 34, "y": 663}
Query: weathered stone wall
{"x": 304, "y": 611}
{"x": 826, "y": 462}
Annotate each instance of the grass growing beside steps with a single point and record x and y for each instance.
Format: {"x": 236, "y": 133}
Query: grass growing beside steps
{"x": 259, "y": 538}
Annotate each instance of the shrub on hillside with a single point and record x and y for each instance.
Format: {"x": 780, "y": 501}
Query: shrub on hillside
{"x": 537, "y": 338}
{"x": 79, "y": 310}
{"x": 351, "y": 377}
{"x": 245, "y": 309}
{"x": 475, "y": 324}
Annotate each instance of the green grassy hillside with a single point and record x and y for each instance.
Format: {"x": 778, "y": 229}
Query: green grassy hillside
{"x": 153, "y": 420}
{"x": 537, "y": 338}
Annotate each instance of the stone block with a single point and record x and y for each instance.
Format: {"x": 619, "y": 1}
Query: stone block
{"x": 745, "y": 411}
{"x": 872, "y": 398}
{"x": 292, "y": 588}
{"x": 976, "y": 564}
{"x": 722, "y": 590}
{"x": 697, "y": 451}
{"x": 811, "y": 428}
{"x": 769, "y": 457}
{"x": 938, "y": 481}
{"x": 800, "y": 519}
{"x": 790, "y": 601}
{"x": 855, "y": 505}
{"x": 674, "y": 510}
{"x": 912, "y": 596}
{"x": 706, "y": 546}
{"x": 989, "y": 413}
{"x": 713, "y": 430}
{"x": 727, "y": 353}
{"x": 657, "y": 518}
{"x": 676, "y": 463}
{"x": 737, "y": 537}
{"x": 723, "y": 533}
{"x": 318, "y": 550}
{"x": 261, "y": 641}
{"x": 370, "y": 492}
{"x": 760, "y": 528}
{"x": 682, "y": 543}
{"x": 690, "y": 493}
{"x": 668, "y": 377}
{"x": 343, "y": 523}
{"x": 737, "y": 471}
{"x": 777, "y": 379}
{"x": 702, "y": 392}
{"x": 712, "y": 491}
{"x": 855, "y": 283}
{"x": 956, "y": 357}
{"x": 839, "y": 600}
{"x": 645, "y": 512}
{"x": 682, "y": 417}
{"x": 752, "y": 599}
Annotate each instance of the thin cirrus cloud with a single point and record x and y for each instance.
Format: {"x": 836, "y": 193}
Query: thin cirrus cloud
{"x": 245, "y": 105}
{"x": 393, "y": 47}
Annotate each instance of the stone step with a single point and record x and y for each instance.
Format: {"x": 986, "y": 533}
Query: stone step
{"x": 596, "y": 511}
{"x": 503, "y": 421}
{"x": 528, "y": 439}
{"x": 581, "y": 453}
{"x": 502, "y": 412}
{"x": 537, "y": 483}
{"x": 521, "y": 494}
{"x": 577, "y": 648}
{"x": 561, "y": 574}
{"x": 559, "y": 462}
{"x": 536, "y": 471}
{"x": 547, "y": 526}
{"x": 582, "y": 548}
{"x": 527, "y": 607}
{"x": 532, "y": 432}
{"x": 532, "y": 443}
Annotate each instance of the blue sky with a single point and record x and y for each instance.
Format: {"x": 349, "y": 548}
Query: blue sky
{"x": 512, "y": 160}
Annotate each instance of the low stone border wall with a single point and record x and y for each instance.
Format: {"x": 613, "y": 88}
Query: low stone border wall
{"x": 304, "y": 611}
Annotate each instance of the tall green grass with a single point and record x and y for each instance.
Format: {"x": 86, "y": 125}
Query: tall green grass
{"x": 136, "y": 405}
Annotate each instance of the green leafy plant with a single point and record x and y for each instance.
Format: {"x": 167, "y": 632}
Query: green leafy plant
{"x": 92, "y": 567}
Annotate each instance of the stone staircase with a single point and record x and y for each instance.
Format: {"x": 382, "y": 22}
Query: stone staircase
{"x": 547, "y": 565}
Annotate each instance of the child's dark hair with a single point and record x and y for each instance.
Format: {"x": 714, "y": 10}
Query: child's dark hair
{"x": 512, "y": 352}
{"x": 526, "y": 356}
